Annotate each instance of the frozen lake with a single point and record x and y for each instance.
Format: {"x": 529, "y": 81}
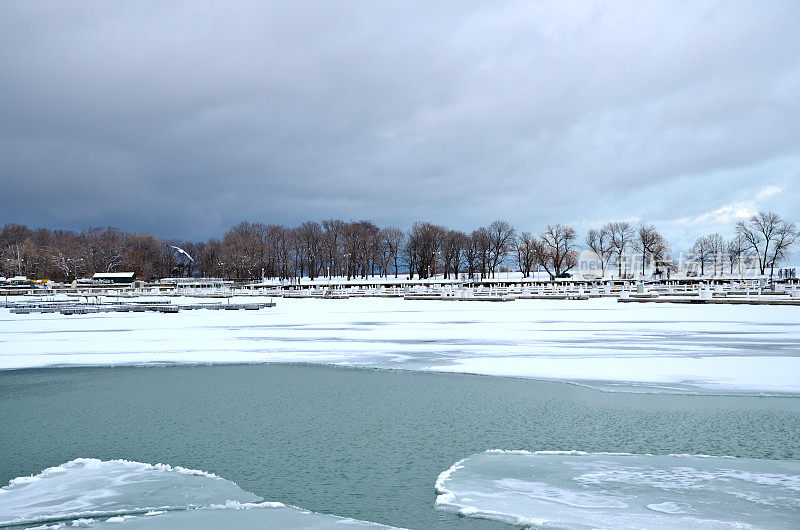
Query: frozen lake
{"x": 288, "y": 429}
{"x": 600, "y": 343}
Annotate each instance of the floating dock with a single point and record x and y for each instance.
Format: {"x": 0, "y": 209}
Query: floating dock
{"x": 70, "y": 307}
{"x": 721, "y": 300}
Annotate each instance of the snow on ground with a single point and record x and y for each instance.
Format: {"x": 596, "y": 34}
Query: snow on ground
{"x": 601, "y": 343}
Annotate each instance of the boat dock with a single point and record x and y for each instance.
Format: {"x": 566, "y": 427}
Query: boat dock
{"x": 71, "y": 307}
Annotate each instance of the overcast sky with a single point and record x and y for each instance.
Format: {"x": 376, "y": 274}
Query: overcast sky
{"x": 183, "y": 118}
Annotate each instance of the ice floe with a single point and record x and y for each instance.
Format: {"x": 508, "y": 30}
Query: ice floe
{"x": 92, "y": 493}
{"x": 572, "y": 489}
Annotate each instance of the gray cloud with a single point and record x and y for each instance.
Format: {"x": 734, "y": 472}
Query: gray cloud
{"x": 184, "y": 118}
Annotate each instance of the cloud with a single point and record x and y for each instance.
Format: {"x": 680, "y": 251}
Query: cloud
{"x": 184, "y": 118}
{"x": 726, "y": 216}
{"x": 768, "y": 192}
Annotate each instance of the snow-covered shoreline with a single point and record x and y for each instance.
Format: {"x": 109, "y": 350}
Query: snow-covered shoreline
{"x": 649, "y": 347}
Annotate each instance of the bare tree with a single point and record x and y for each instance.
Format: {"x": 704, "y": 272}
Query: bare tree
{"x": 599, "y": 242}
{"x": 102, "y": 249}
{"x": 735, "y": 251}
{"x": 501, "y": 238}
{"x": 555, "y": 249}
{"x": 276, "y": 238}
{"x": 309, "y": 239}
{"x": 659, "y": 253}
{"x": 425, "y": 242}
{"x": 382, "y": 255}
{"x": 525, "y": 249}
{"x": 332, "y": 242}
{"x": 360, "y": 241}
{"x": 209, "y": 258}
{"x": 298, "y": 255}
{"x": 145, "y": 254}
{"x": 716, "y": 246}
{"x": 472, "y": 253}
{"x": 262, "y": 236}
{"x": 240, "y": 250}
{"x": 453, "y": 244}
{"x": 410, "y": 253}
{"x": 368, "y": 236}
{"x": 620, "y": 234}
{"x": 351, "y": 247}
{"x": 65, "y": 254}
{"x": 283, "y": 243}
{"x": 16, "y": 242}
{"x": 483, "y": 249}
{"x": 19, "y": 258}
{"x": 702, "y": 251}
{"x": 769, "y": 236}
{"x": 393, "y": 239}
{"x": 786, "y": 237}
{"x": 648, "y": 242}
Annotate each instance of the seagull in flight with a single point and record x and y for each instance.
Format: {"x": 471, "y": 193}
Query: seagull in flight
{"x": 181, "y": 251}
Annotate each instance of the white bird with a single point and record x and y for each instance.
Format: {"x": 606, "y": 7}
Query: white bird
{"x": 179, "y": 249}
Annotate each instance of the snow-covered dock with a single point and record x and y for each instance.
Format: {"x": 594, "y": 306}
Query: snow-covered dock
{"x": 756, "y": 291}
{"x": 765, "y": 300}
{"x": 70, "y": 307}
{"x": 459, "y": 297}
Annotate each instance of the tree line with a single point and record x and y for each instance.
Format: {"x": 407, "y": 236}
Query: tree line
{"x": 358, "y": 249}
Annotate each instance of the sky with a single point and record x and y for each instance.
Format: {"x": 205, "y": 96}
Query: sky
{"x": 184, "y": 118}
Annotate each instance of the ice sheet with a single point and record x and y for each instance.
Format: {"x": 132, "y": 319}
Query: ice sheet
{"x": 581, "y": 490}
{"x": 601, "y": 343}
{"x": 87, "y": 492}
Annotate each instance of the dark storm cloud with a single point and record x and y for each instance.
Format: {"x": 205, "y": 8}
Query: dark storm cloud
{"x": 183, "y": 118}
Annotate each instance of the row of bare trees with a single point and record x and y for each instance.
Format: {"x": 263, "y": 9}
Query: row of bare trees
{"x": 615, "y": 240}
{"x": 314, "y": 249}
{"x": 66, "y": 255}
{"x": 432, "y": 249}
{"x": 357, "y": 249}
{"x": 764, "y": 240}
{"x": 247, "y": 250}
{"x": 330, "y": 248}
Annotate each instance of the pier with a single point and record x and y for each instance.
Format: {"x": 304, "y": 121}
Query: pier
{"x": 171, "y": 297}
{"x": 72, "y": 307}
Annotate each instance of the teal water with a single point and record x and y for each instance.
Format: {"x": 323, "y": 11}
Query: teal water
{"x": 362, "y": 443}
